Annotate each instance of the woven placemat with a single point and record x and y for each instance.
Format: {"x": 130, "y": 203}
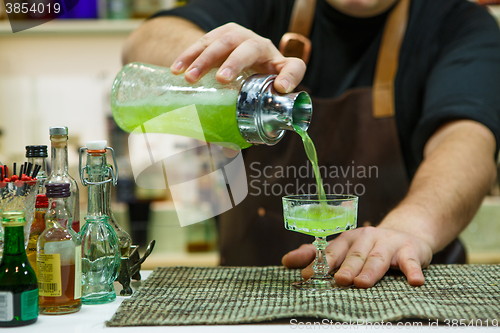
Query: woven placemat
{"x": 235, "y": 295}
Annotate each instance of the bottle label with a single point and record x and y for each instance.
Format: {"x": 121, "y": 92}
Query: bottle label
{"x": 49, "y": 275}
{"x": 78, "y": 271}
{"x": 29, "y": 305}
{"x": 63, "y": 248}
{"x": 6, "y": 306}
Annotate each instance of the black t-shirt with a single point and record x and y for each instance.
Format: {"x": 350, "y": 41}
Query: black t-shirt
{"x": 449, "y": 66}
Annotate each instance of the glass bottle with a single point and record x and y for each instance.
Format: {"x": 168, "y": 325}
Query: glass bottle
{"x": 18, "y": 283}
{"x": 100, "y": 193}
{"x": 100, "y": 244}
{"x": 59, "y": 256}
{"x": 37, "y": 155}
{"x": 147, "y": 98}
{"x": 37, "y": 227}
{"x": 59, "y": 171}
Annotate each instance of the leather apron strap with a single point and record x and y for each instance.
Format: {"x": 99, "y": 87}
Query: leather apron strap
{"x": 295, "y": 43}
{"x": 388, "y": 60}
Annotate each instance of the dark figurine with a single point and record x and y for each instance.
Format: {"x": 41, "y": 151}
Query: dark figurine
{"x": 130, "y": 267}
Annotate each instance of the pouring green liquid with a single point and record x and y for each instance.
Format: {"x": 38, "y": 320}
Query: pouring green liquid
{"x": 318, "y": 219}
{"x": 313, "y": 158}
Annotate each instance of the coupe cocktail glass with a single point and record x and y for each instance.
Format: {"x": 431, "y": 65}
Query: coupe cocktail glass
{"x": 319, "y": 218}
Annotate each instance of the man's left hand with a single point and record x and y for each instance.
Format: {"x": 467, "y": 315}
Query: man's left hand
{"x": 365, "y": 254}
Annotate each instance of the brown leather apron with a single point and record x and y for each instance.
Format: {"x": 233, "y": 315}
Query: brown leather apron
{"x": 358, "y": 150}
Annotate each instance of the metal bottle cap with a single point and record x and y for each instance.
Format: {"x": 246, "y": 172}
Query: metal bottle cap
{"x": 57, "y": 190}
{"x": 36, "y": 151}
{"x": 58, "y": 130}
{"x": 41, "y": 201}
{"x": 263, "y": 114}
{"x": 13, "y": 218}
{"x": 97, "y": 145}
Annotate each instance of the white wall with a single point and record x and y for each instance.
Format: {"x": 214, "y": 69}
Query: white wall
{"x": 55, "y": 80}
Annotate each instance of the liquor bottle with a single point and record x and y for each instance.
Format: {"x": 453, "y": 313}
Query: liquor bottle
{"x": 147, "y": 98}
{"x": 18, "y": 284}
{"x": 60, "y": 174}
{"x": 37, "y": 227}
{"x": 59, "y": 256}
{"x": 37, "y": 155}
{"x": 100, "y": 244}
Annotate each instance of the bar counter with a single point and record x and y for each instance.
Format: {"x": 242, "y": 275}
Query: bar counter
{"x": 92, "y": 318}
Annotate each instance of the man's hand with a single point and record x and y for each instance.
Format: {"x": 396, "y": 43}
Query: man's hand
{"x": 234, "y": 48}
{"x": 364, "y": 255}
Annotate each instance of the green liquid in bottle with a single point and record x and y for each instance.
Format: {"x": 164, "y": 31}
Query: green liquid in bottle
{"x": 150, "y": 99}
{"x": 206, "y": 122}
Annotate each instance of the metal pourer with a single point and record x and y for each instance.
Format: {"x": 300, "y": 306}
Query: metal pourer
{"x": 263, "y": 114}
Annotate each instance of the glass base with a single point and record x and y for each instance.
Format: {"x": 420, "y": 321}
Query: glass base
{"x": 61, "y": 309}
{"x": 315, "y": 284}
{"x": 101, "y": 298}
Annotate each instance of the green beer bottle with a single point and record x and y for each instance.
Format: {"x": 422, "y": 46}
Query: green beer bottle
{"x": 18, "y": 284}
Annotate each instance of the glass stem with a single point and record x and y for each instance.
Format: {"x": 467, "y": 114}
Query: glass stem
{"x": 320, "y": 265}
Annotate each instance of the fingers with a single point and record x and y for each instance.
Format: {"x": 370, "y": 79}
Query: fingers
{"x": 300, "y": 257}
{"x": 214, "y": 54}
{"x": 218, "y": 45}
{"x": 411, "y": 266}
{"x": 334, "y": 253}
{"x": 364, "y": 256}
{"x": 234, "y": 48}
{"x": 256, "y": 52}
{"x": 186, "y": 58}
{"x": 356, "y": 258}
{"x": 375, "y": 267}
{"x": 305, "y": 255}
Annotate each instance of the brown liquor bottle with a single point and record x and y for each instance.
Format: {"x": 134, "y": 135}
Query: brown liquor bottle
{"x": 37, "y": 227}
{"x": 59, "y": 257}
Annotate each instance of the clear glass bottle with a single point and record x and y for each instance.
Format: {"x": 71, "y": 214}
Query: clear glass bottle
{"x": 100, "y": 192}
{"x": 147, "y": 98}
{"x": 59, "y": 256}
{"x": 100, "y": 245}
{"x": 18, "y": 283}
{"x": 59, "y": 171}
{"x": 37, "y": 227}
{"x": 37, "y": 155}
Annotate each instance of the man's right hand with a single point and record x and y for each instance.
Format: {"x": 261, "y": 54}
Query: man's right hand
{"x": 233, "y": 49}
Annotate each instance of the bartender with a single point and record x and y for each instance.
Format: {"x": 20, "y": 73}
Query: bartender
{"x": 406, "y": 90}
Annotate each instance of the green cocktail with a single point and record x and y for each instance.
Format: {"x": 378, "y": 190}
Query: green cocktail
{"x": 319, "y": 218}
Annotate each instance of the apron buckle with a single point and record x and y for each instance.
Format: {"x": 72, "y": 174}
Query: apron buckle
{"x": 295, "y": 45}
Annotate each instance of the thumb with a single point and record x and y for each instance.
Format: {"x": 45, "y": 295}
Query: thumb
{"x": 300, "y": 257}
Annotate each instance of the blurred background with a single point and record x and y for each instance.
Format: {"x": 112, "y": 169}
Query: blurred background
{"x": 60, "y": 74}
